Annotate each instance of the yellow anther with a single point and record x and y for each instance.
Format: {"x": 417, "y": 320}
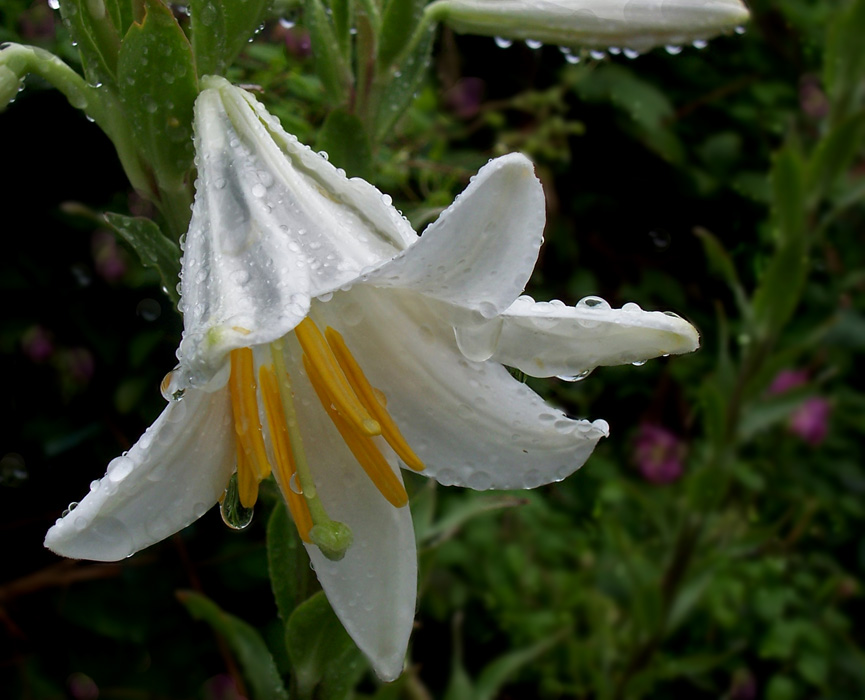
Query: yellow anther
{"x": 321, "y": 357}
{"x": 247, "y": 483}
{"x": 244, "y": 405}
{"x": 361, "y": 446}
{"x": 372, "y": 399}
{"x": 285, "y": 466}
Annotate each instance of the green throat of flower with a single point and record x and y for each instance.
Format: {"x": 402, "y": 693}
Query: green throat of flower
{"x": 357, "y": 409}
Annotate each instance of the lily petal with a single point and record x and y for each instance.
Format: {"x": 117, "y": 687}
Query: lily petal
{"x": 480, "y": 252}
{"x": 548, "y": 339}
{"x": 634, "y": 24}
{"x": 373, "y": 589}
{"x": 174, "y": 473}
{"x": 273, "y": 224}
{"x": 471, "y": 423}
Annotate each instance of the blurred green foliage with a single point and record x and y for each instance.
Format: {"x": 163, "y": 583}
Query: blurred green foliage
{"x": 725, "y": 183}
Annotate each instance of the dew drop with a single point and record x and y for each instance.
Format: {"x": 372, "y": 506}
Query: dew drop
{"x": 54, "y": 4}
{"x": 534, "y": 44}
{"x": 739, "y": 30}
{"x": 72, "y": 506}
{"x": 580, "y": 376}
{"x": 673, "y": 50}
{"x": 501, "y": 42}
{"x": 294, "y": 485}
{"x": 479, "y": 342}
{"x": 630, "y": 53}
{"x": 638, "y": 363}
{"x": 597, "y": 55}
{"x": 119, "y": 468}
{"x": 700, "y": 43}
{"x": 593, "y": 302}
{"x": 232, "y": 511}
{"x": 572, "y": 58}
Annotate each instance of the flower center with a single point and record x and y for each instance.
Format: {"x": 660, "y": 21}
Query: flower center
{"x": 357, "y": 409}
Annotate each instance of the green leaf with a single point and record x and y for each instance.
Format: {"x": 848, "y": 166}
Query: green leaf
{"x": 781, "y": 283}
{"x": 345, "y": 141}
{"x": 399, "y": 21}
{"x": 220, "y": 29}
{"x": 833, "y": 155}
{"x": 722, "y": 265}
{"x": 494, "y": 676}
{"x": 399, "y": 83}
{"x": 97, "y": 38}
{"x": 844, "y": 60}
{"x": 256, "y": 662}
{"x": 330, "y": 65}
{"x": 287, "y": 561}
{"x": 158, "y": 87}
{"x": 468, "y": 508}
{"x": 153, "y": 248}
{"x": 326, "y": 662}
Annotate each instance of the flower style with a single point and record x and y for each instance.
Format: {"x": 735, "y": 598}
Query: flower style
{"x": 328, "y": 343}
{"x": 638, "y": 25}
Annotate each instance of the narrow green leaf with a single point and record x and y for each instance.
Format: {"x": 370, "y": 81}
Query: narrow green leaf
{"x": 287, "y": 561}
{"x": 833, "y": 155}
{"x": 259, "y": 669}
{"x": 399, "y": 21}
{"x": 343, "y": 138}
{"x": 326, "y": 662}
{"x": 98, "y": 40}
{"x": 780, "y": 285}
{"x": 158, "y": 87}
{"x": 722, "y": 265}
{"x": 399, "y": 82}
{"x": 220, "y": 29}
{"x": 494, "y": 676}
{"x": 153, "y": 248}
{"x": 330, "y": 65}
{"x": 469, "y": 508}
{"x": 844, "y": 60}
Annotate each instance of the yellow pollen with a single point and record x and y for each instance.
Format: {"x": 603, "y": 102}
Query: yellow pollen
{"x": 362, "y": 447}
{"x": 372, "y": 399}
{"x": 252, "y": 463}
{"x": 327, "y": 367}
{"x": 297, "y": 504}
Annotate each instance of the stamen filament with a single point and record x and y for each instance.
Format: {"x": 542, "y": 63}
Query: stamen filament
{"x": 327, "y": 367}
{"x": 361, "y": 446}
{"x": 247, "y": 484}
{"x": 369, "y": 397}
{"x": 285, "y": 466}
{"x": 246, "y": 422}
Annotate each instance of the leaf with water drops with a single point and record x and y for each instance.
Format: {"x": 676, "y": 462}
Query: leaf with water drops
{"x": 345, "y": 141}
{"x": 233, "y": 513}
{"x": 220, "y": 29}
{"x": 325, "y": 661}
{"x": 247, "y": 646}
{"x": 157, "y": 85}
{"x": 154, "y": 249}
{"x": 96, "y": 37}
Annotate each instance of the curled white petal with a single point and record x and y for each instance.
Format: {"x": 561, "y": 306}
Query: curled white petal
{"x": 273, "y": 224}
{"x": 373, "y": 589}
{"x": 471, "y": 423}
{"x": 547, "y": 339}
{"x": 634, "y": 24}
{"x": 174, "y": 473}
{"x": 480, "y": 252}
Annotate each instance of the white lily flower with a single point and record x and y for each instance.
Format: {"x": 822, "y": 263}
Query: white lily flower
{"x": 638, "y": 25}
{"x": 325, "y": 341}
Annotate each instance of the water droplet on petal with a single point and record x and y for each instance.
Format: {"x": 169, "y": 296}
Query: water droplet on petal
{"x": 673, "y": 50}
{"x": 580, "y": 376}
{"x": 119, "y": 468}
{"x": 479, "y": 342}
{"x": 638, "y": 363}
{"x": 534, "y": 43}
{"x": 501, "y": 42}
{"x": 700, "y": 43}
{"x": 231, "y": 509}
{"x": 294, "y": 484}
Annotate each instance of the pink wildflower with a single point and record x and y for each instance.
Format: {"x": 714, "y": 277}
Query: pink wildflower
{"x": 811, "y": 420}
{"x": 658, "y": 454}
